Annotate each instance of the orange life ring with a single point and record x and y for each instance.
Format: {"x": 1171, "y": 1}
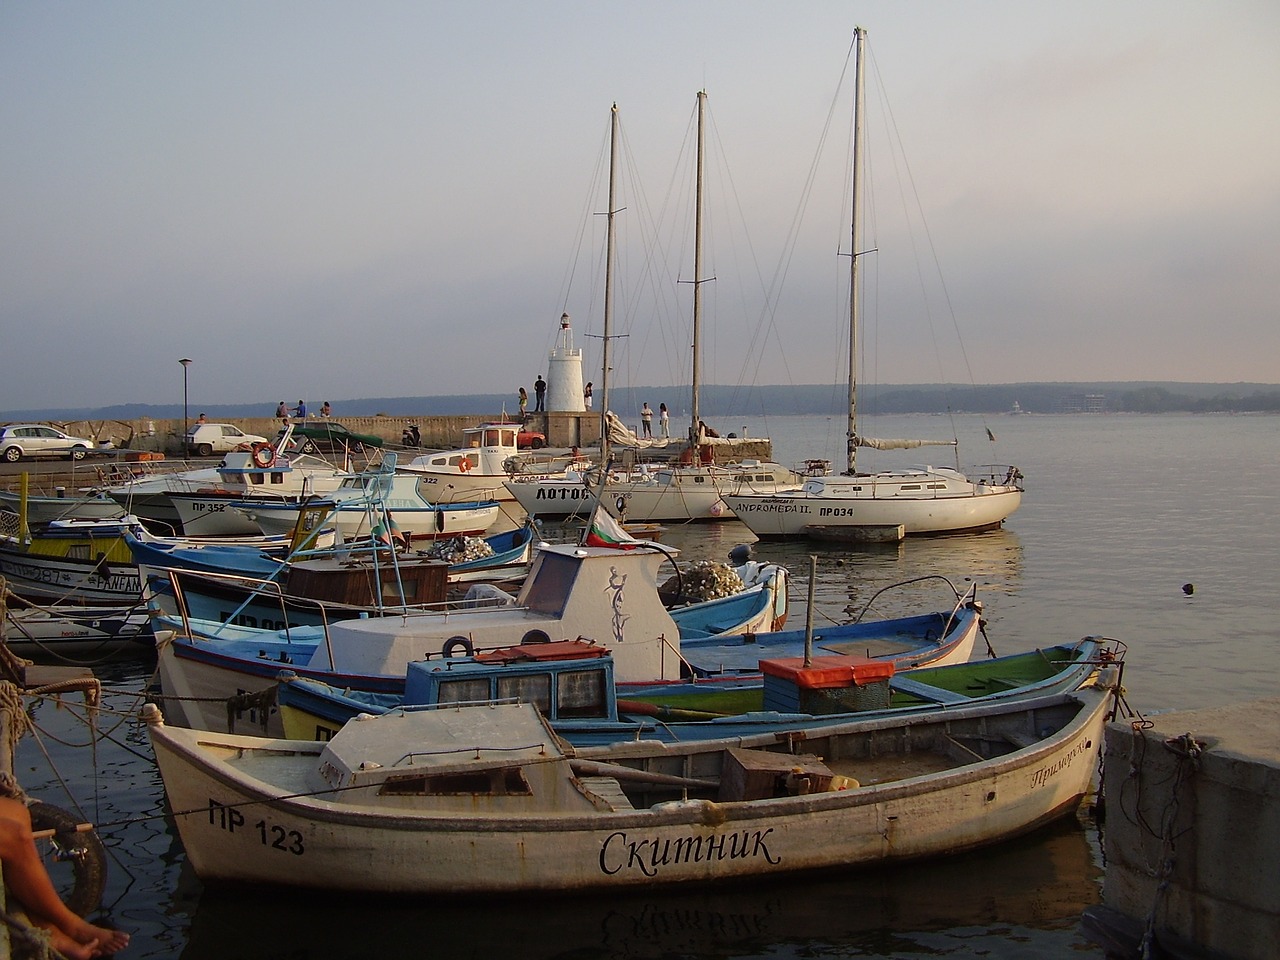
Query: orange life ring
{"x": 464, "y": 464}
{"x": 263, "y": 455}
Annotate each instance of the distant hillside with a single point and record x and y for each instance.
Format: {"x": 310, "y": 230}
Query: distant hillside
{"x": 722, "y": 401}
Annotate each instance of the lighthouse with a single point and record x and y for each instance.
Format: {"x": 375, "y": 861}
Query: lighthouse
{"x": 564, "y": 373}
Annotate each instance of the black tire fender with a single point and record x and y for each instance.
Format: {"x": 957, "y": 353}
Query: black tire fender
{"x": 453, "y": 643}
{"x": 82, "y": 850}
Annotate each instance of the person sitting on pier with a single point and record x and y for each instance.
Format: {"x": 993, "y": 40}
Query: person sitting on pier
{"x": 27, "y": 882}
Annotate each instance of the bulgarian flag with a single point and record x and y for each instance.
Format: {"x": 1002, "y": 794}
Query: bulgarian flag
{"x": 388, "y": 531}
{"x": 605, "y": 531}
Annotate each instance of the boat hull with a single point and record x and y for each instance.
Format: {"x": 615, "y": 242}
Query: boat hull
{"x": 237, "y": 827}
{"x": 789, "y": 516}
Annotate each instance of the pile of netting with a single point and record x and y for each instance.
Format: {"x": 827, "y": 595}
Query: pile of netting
{"x": 459, "y": 549}
{"x": 705, "y": 580}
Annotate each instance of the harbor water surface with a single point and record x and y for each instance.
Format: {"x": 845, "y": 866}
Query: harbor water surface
{"x": 1120, "y": 513}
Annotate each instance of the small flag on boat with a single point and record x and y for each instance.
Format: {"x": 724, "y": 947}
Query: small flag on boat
{"x": 991, "y": 436}
{"x": 605, "y": 531}
{"x": 388, "y": 531}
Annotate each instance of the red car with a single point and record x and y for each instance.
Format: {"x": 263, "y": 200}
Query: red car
{"x": 530, "y": 439}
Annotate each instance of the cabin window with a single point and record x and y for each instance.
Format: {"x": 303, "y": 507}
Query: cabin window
{"x": 581, "y": 693}
{"x": 937, "y": 486}
{"x": 532, "y": 688}
{"x": 508, "y": 438}
{"x": 508, "y": 782}
{"x": 277, "y": 477}
{"x": 464, "y": 691}
{"x": 699, "y": 479}
{"x": 406, "y": 591}
{"x": 910, "y": 486}
{"x": 547, "y": 591}
{"x": 236, "y": 478}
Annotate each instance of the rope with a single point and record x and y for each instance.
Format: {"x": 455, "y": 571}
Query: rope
{"x": 11, "y": 701}
{"x": 38, "y": 943}
{"x": 1188, "y": 751}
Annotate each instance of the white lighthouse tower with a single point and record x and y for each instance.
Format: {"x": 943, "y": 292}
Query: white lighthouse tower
{"x": 564, "y": 373}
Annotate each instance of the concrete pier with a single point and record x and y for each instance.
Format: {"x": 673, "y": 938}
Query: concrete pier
{"x": 1192, "y": 834}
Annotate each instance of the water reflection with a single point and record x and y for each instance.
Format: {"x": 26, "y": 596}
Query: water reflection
{"x": 1039, "y": 883}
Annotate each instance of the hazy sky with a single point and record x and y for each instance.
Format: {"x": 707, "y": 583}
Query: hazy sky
{"x": 335, "y": 200}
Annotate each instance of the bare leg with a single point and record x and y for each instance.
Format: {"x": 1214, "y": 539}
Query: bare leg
{"x": 28, "y": 881}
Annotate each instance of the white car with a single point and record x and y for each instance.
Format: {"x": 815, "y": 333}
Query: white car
{"x": 205, "y": 439}
{"x": 20, "y": 440}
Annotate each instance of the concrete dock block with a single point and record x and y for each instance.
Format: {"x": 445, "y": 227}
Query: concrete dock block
{"x": 1192, "y": 835}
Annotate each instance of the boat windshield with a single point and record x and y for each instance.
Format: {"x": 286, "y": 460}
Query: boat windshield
{"x": 547, "y": 590}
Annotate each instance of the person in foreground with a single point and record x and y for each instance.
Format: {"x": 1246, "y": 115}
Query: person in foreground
{"x": 28, "y": 883}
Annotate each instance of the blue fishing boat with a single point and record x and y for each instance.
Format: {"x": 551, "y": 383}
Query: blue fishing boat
{"x": 572, "y": 683}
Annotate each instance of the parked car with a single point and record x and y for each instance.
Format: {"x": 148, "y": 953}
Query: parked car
{"x": 19, "y": 440}
{"x": 530, "y": 439}
{"x": 330, "y": 437}
{"x": 206, "y": 439}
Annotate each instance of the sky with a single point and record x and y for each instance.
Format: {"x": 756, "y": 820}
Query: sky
{"x": 328, "y": 200}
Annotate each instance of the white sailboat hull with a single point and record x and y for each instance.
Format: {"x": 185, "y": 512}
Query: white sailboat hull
{"x": 954, "y": 505}
{"x": 674, "y": 494}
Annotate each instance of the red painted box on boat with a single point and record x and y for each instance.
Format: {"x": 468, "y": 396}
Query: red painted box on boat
{"x": 827, "y": 672}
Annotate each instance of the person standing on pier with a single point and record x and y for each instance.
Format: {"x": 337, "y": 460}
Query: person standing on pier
{"x": 539, "y": 395}
{"x": 524, "y": 405}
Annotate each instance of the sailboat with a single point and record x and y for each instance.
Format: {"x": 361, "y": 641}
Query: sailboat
{"x": 854, "y": 505}
{"x": 693, "y": 488}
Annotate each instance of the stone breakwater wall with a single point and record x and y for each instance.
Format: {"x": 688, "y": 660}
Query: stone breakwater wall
{"x": 561, "y": 429}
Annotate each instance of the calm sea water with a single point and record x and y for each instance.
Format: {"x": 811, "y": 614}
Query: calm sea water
{"x": 1120, "y": 513}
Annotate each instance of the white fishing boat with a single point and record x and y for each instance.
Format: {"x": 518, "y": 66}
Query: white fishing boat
{"x": 70, "y": 630}
{"x": 258, "y": 475}
{"x": 41, "y": 509}
{"x": 489, "y": 456}
{"x": 689, "y": 487}
{"x": 922, "y": 500}
{"x": 142, "y": 489}
{"x": 362, "y": 503}
{"x": 487, "y": 798}
{"x": 70, "y": 561}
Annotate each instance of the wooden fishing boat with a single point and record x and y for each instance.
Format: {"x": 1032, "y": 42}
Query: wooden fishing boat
{"x": 572, "y": 683}
{"x": 487, "y": 798}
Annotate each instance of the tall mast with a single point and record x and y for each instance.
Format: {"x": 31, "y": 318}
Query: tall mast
{"x": 851, "y": 432}
{"x": 697, "y": 284}
{"x": 608, "y": 290}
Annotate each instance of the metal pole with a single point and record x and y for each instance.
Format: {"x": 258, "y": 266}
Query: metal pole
{"x": 808, "y": 619}
{"x": 186, "y": 425}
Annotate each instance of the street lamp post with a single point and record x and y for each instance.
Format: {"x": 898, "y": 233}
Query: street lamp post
{"x": 186, "y": 426}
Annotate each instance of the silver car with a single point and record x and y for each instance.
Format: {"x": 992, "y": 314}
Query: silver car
{"x": 19, "y": 440}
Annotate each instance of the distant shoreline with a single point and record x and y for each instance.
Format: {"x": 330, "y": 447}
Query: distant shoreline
{"x": 769, "y": 400}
